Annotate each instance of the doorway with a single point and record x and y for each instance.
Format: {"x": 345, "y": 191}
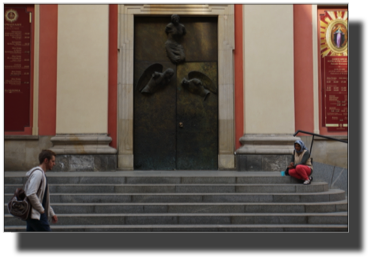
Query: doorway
{"x": 175, "y": 125}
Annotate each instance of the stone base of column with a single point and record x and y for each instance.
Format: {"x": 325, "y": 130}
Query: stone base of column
{"x": 84, "y": 152}
{"x": 85, "y": 163}
{"x": 226, "y": 161}
{"x": 265, "y": 152}
{"x": 125, "y": 162}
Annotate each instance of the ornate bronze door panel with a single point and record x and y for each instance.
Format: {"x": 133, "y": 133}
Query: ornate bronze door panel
{"x": 197, "y": 136}
{"x": 154, "y": 124}
{"x": 175, "y": 93}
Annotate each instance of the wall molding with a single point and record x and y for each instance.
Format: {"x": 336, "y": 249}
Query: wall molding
{"x": 82, "y": 144}
{"x": 36, "y": 68}
{"x": 21, "y": 137}
{"x": 315, "y": 68}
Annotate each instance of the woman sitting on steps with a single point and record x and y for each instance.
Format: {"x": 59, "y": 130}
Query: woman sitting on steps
{"x": 300, "y": 166}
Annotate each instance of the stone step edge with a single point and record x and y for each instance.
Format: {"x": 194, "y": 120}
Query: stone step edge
{"x": 175, "y": 184}
{"x": 152, "y": 173}
{"x": 195, "y": 194}
{"x": 328, "y": 192}
{"x": 342, "y": 213}
{"x": 170, "y": 181}
{"x": 203, "y": 204}
{"x": 232, "y": 226}
{"x": 311, "y": 214}
{"x": 194, "y": 225}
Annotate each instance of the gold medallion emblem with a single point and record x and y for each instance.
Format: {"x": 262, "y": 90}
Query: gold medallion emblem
{"x": 334, "y": 34}
{"x": 11, "y": 15}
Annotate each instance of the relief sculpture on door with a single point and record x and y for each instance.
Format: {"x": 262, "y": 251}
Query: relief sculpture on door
{"x": 175, "y": 97}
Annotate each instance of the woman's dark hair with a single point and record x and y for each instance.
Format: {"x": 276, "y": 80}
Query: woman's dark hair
{"x": 46, "y": 154}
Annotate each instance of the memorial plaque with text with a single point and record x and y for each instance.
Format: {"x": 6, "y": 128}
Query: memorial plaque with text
{"x": 17, "y": 68}
{"x": 334, "y": 70}
{"x": 335, "y": 99}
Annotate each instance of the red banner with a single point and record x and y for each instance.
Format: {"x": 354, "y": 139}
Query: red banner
{"x": 334, "y": 70}
{"x": 17, "y": 62}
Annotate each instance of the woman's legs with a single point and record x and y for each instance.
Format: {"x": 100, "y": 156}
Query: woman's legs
{"x": 293, "y": 173}
{"x": 301, "y": 172}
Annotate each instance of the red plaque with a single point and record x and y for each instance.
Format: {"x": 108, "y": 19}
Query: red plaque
{"x": 334, "y": 70}
{"x": 17, "y": 62}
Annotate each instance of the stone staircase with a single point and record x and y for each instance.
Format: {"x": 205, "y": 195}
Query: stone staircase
{"x": 175, "y": 201}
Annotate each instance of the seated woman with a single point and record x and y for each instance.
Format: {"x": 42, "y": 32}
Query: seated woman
{"x": 300, "y": 166}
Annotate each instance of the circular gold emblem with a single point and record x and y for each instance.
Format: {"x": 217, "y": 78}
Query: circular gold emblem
{"x": 334, "y": 33}
{"x": 337, "y": 36}
{"x": 11, "y": 15}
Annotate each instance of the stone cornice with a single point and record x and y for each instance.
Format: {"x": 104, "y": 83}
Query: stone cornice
{"x": 82, "y": 144}
{"x": 21, "y": 137}
{"x": 267, "y": 144}
{"x": 178, "y": 9}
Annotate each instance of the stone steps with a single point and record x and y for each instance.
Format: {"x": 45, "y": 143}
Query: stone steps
{"x": 196, "y": 218}
{"x": 189, "y": 228}
{"x": 65, "y": 208}
{"x": 330, "y": 195}
{"x": 79, "y": 178}
{"x": 188, "y": 198}
{"x": 186, "y": 201}
{"x": 180, "y": 188}
{"x": 176, "y": 188}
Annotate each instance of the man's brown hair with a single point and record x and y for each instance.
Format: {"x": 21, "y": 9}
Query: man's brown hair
{"x": 46, "y": 154}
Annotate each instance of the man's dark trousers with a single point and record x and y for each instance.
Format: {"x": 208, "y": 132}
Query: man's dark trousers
{"x": 42, "y": 224}
{"x": 38, "y": 225}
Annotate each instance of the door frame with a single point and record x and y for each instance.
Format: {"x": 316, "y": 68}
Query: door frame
{"x": 226, "y": 45}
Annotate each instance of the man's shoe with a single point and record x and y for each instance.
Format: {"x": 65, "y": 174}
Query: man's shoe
{"x": 307, "y": 182}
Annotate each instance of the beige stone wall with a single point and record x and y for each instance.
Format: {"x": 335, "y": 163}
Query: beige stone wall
{"x": 328, "y": 152}
{"x": 268, "y": 69}
{"x": 82, "y": 83}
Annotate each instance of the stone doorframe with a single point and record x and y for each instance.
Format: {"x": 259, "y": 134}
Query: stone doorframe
{"x": 226, "y": 45}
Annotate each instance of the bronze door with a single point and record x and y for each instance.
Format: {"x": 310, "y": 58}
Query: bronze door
{"x": 175, "y": 93}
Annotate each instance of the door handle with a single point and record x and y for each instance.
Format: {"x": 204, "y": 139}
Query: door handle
{"x": 180, "y": 124}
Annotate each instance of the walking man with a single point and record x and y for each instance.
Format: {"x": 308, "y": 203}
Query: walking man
{"x": 40, "y": 199}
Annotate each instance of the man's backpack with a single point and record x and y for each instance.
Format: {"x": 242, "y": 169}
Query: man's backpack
{"x": 19, "y": 206}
